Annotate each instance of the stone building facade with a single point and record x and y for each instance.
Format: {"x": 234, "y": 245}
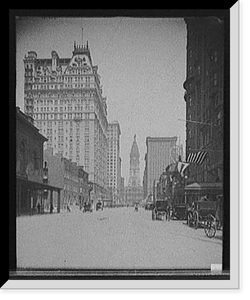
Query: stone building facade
{"x": 158, "y": 156}
{"x": 114, "y": 161}
{"x": 64, "y": 97}
{"x": 204, "y": 97}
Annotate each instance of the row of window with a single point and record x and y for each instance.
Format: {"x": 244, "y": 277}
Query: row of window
{"x": 50, "y": 79}
{"x": 55, "y": 116}
{"x": 61, "y": 86}
{"x": 56, "y": 109}
{"x": 39, "y": 124}
{"x": 69, "y": 95}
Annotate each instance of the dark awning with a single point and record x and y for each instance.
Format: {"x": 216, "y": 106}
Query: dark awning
{"x": 204, "y": 186}
{"x": 38, "y": 185}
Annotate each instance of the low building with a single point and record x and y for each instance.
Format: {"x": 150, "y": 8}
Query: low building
{"x": 65, "y": 174}
{"x": 83, "y": 192}
{"x": 30, "y": 187}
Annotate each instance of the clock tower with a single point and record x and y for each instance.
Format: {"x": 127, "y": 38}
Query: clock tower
{"x": 134, "y": 190}
{"x": 134, "y": 171}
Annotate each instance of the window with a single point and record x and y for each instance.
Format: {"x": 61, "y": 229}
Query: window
{"x": 23, "y": 157}
{"x": 215, "y": 79}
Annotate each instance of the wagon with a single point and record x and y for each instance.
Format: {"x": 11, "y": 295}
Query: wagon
{"x": 87, "y": 207}
{"x": 179, "y": 212}
{"x": 160, "y": 210}
{"x": 199, "y": 212}
{"x": 214, "y": 220}
{"x": 99, "y": 206}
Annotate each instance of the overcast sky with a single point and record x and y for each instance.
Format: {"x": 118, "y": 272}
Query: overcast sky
{"x": 142, "y": 64}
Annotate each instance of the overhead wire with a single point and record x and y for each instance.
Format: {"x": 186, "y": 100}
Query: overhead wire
{"x": 117, "y": 26}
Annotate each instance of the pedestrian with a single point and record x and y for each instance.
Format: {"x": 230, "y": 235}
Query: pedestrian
{"x": 51, "y": 208}
{"x": 168, "y": 212}
{"x": 68, "y": 209}
{"x": 38, "y": 207}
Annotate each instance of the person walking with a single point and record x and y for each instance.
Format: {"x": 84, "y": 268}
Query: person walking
{"x": 38, "y": 207}
{"x": 51, "y": 208}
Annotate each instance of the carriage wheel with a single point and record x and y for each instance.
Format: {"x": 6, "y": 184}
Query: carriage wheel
{"x": 210, "y": 226}
{"x": 196, "y": 220}
{"x": 189, "y": 218}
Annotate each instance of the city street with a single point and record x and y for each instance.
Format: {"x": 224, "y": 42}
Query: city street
{"x": 112, "y": 238}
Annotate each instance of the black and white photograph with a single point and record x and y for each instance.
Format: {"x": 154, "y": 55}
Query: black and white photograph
{"x": 122, "y": 145}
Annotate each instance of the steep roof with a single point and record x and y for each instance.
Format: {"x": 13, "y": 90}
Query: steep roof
{"x": 134, "y": 149}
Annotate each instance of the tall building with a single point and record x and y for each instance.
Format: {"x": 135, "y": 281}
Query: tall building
{"x": 134, "y": 190}
{"x": 64, "y": 96}
{"x": 204, "y": 97}
{"x": 161, "y": 152}
{"x": 114, "y": 161}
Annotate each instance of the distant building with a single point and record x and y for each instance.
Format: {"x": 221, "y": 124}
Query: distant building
{"x": 30, "y": 187}
{"x": 161, "y": 152}
{"x": 134, "y": 190}
{"x": 204, "y": 97}
{"x": 64, "y": 97}
{"x": 122, "y": 191}
{"x": 113, "y": 161}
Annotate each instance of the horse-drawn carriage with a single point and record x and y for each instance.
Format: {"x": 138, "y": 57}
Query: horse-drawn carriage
{"x": 87, "y": 206}
{"x": 179, "y": 211}
{"x": 206, "y": 214}
{"x": 160, "y": 210}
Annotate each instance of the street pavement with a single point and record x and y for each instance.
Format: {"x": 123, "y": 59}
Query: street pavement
{"x": 113, "y": 238}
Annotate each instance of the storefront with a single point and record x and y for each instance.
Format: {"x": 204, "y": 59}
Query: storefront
{"x": 30, "y": 197}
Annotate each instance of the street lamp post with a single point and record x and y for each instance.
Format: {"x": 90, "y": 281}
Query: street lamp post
{"x": 185, "y": 193}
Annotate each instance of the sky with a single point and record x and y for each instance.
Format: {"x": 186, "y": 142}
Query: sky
{"x": 142, "y": 64}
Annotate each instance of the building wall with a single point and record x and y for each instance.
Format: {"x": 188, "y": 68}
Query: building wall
{"x": 70, "y": 182}
{"x": 64, "y": 96}
{"x": 83, "y": 186}
{"x": 29, "y": 162}
{"x": 29, "y": 149}
{"x": 205, "y": 96}
{"x": 122, "y": 190}
{"x": 64, "y": 174}
{"x": 157, "y": 158}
